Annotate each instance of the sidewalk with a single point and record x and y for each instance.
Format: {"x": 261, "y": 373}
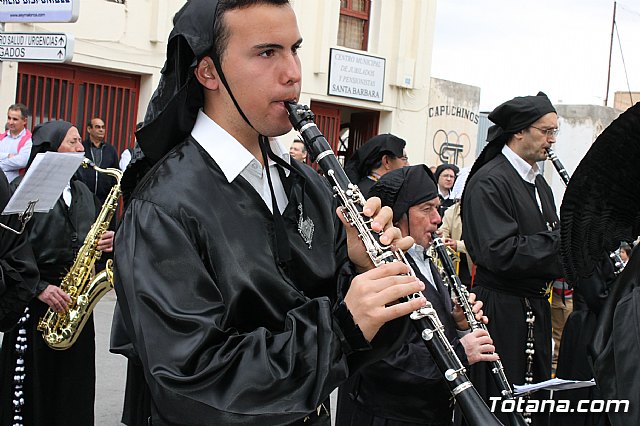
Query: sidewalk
{"x": 111, "y": 369}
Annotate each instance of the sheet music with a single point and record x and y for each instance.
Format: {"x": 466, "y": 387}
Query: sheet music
{"x": 47, "y": 176}
{"x": 553, "y": 384}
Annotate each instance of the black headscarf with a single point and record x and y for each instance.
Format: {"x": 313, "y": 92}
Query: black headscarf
{"x": 360, "y": 164}
{"x": 442, "y": 167}
{"x": 48, "y": 137}
{"x": 403, "y": 188}
{"x": 510, "y": 118}
{"x": 173, "y": 108}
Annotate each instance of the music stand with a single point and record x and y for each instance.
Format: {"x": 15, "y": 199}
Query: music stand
{"x": 43, "y": 183}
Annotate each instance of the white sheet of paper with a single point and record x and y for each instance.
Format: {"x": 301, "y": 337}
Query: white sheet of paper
{"x": 553, "y": 384}
{"x": 47, "y": 176}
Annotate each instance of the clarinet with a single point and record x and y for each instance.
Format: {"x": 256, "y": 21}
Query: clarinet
{"x": 551, "y": 155}
{"x": 425, "y": 319}
{"x": 461, "y": 297}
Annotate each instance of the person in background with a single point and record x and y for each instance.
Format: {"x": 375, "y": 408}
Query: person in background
{"x": 54, "y": 380}
{"x": 407, "y": 388}
{"x": 511, "y": 230}
{"x": 298, "y": 151}
{"x": 262, "y": 305}
{"x": 625, "y": 252}
{"x": 377, "y": 156}
{"x": 446, "y": 177}
{"x": 451, "y": 228}
{"x": 103, "y": 155}
{"x": 15, "y": 142}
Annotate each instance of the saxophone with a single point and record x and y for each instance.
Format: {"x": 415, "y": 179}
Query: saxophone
{"x": 60, "y": 330}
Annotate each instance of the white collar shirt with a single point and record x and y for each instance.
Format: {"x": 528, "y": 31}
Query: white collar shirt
{"x": 9, "y": 146}
{"x": 234, "y": 159}
{"x": 417, "y": 254}
{"x": 524, "y": 169}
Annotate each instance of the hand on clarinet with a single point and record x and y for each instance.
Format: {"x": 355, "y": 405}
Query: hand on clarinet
{"x": 382, "y": 218}
{"x": 373, "y": 297}
{"x": 460, "y": 318}
{"x": 478, "y": 346}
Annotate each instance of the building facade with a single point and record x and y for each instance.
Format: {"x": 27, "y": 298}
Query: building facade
{"x": 366, "y": 68}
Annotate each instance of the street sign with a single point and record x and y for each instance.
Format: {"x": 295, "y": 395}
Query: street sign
{"x": 36, "y": 47}
{"x": 39, "y": 10}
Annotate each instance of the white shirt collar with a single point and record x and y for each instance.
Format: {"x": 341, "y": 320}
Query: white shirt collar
{"x": 226, "y": 151}
{"x": 417, "y": 251}
{"x": 524, "y": 169}
{"x": 19, "y": 135}
{"x": 417, "y": 254}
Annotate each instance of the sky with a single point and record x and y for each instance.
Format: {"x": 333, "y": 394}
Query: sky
{"x": 514, "y": 48}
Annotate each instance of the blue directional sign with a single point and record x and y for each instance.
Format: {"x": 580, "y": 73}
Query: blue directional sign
{"x": 36, "y": 47}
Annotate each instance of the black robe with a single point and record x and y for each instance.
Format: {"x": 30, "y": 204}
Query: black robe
{"x": 225, "y": 331}
{"x": 18, "y": 271}
{"x": 405, "y": 388}
{"x": 365, "y": 185}
{"x": 59, "y": 386}
{"x": 516, "y": 255}
{"x": 613, "y": 350}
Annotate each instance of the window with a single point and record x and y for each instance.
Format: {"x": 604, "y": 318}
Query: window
{"x": 76, "y": 94}
{"x": 353, "y": 30}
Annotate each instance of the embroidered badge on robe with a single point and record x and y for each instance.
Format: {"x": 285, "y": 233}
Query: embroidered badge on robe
{"x": 305, "y": 227}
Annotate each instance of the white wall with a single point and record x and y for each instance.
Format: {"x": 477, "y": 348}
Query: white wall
{"x": 132, "y": 38}
{"x": 579, "y": 125}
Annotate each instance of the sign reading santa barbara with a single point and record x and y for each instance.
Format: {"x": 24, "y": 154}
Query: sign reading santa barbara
{"x": 39, "y": 10}
{"x": 354, "y": 75}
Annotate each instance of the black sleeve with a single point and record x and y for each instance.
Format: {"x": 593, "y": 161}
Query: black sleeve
{"x": 18, "y": 271}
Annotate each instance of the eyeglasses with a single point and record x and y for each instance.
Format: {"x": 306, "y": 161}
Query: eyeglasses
{"x": 550, "y": 133}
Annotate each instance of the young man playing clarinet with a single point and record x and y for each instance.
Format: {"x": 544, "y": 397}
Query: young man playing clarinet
{"x": 245, "y": 300}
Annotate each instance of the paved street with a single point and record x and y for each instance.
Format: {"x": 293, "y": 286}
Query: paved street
{"x": 111, "y": 369}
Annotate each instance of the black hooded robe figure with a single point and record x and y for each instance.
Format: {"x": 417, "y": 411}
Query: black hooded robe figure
{"x": 59, "y": 386}
{"x": 405, "y": 388}
{"x": 515, "y": 252}
{"x": 447, "y": 202}
{"x": 368, "y": 157}
{"x": 600, "y": 340}
{"x": 234, "y": 310}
